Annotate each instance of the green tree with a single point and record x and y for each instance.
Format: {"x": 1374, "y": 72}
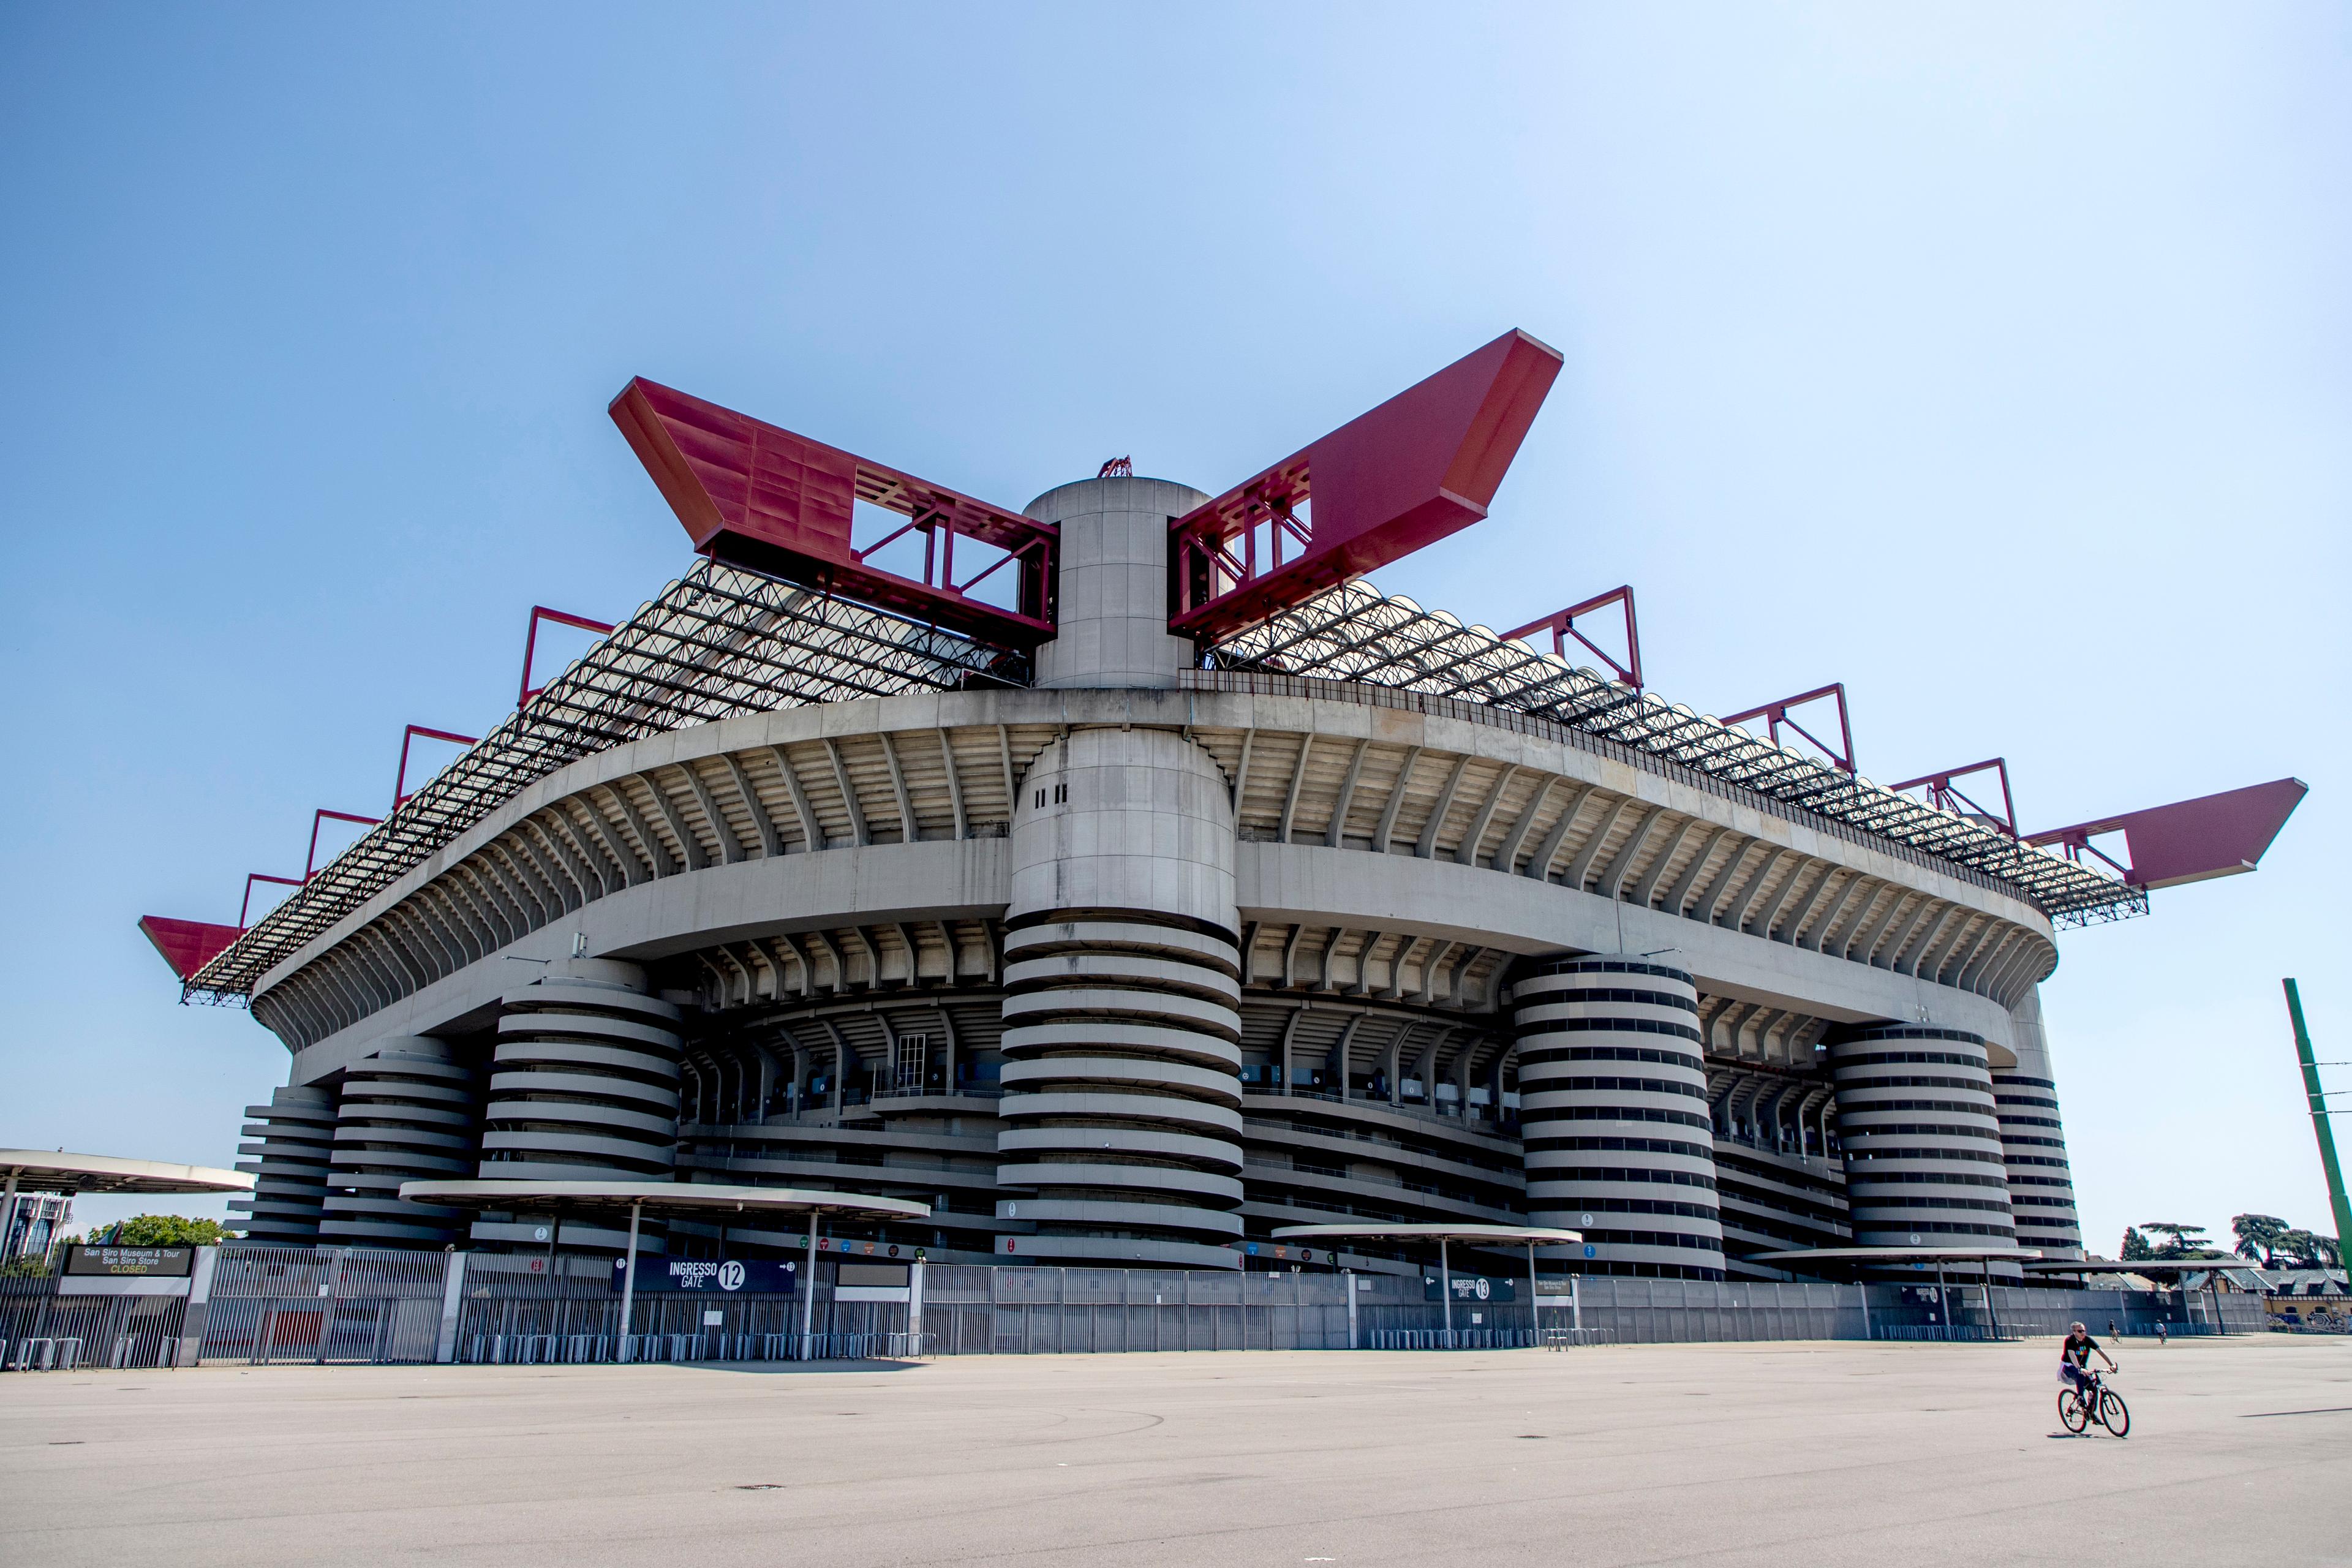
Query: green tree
{"x": 2306, "y": 1250}
{"x": 2185, "y": 1241}
{"x": 2258, "y": 1234}
{"x": 2135, "y": 1247}
{"x": 168, "y": 1230}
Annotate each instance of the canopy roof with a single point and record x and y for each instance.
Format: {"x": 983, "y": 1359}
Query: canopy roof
{"x": 1355, "y": 633}
{"x": 1899, "y": 1254}
{"x": 54, "y": 1171}
{"x": 1502, "y": 1235}
{"x": 2148, "y": 1266}
{"x": 717, "y": 643}
{"x": 654, "y": 1197}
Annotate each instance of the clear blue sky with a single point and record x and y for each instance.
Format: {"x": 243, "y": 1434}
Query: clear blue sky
{"x": 1996, "y": 360}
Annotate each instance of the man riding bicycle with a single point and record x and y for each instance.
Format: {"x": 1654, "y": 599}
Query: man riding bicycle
{"x": 2074, "y": 1361}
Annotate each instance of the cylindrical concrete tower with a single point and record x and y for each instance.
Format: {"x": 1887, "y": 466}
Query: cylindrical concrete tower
{"x": 2033, "y": 1141}
{"x": 1122, "y": 973}
{"x": 1112, "y": 609}
{"x": 294, "y": 1135}
{"x": 409, "y": 1112}
{"x": 1923, "y": 1156}
{"x": 1613, "y": 1113}
{"x": 585, "y": 1083}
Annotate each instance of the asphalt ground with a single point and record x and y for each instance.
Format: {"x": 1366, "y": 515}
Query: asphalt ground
{"x": 1814, "y": 1452}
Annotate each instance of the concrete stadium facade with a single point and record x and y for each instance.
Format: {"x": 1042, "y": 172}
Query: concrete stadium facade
{"x": 1139, "y": 962}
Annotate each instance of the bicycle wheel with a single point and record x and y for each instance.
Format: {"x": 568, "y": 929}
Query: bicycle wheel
{"x": 2071, "y": 1411}
{"x": 2113, "y": 1413}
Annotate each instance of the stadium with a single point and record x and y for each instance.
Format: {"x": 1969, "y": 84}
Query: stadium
{"x": 1128, "y": 880}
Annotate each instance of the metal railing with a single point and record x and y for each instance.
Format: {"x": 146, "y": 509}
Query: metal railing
{"x": 1568, "y": 1339}
{"x": 1956, "y": 1332}
{"x": 1452, "y": 1339}
{"x": 554, "y": 1350}
{"x": 45, "y": 1355}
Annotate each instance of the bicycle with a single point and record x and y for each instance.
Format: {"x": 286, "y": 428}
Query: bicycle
{"x": 2103, "y": 1404}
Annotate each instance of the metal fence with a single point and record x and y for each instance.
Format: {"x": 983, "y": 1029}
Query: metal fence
{"x": 42, "y": 1331}
{"x": 325, "y": 1304}
{"x": 321, "y": 1305}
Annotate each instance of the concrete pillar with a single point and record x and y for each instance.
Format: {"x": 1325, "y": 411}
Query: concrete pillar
{"x": 2033, "y": 1141}
{"x": 1122, "y": 1024}
{"x": 293, "y": 1141}
{"x": 411, "y": 1111}
{"x": 1923, "y": 1156}
{"x": 583, "y": 1087}
{"x": 1111, "y": 611}
{"x": 1614, "y": 1117}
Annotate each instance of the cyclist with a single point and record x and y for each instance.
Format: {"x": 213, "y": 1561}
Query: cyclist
{"x": 2074, "y": 1361}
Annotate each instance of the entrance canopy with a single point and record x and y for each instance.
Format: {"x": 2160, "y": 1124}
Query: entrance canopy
{"x": 620, "y": 1199}
{"x": 49, "y": 1170}
{"x": 1895, "y": 1257}
{"x": 2151, "y": 1266}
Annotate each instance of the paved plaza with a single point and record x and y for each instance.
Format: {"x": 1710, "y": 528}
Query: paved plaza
{"x": 1819, "y": 1454}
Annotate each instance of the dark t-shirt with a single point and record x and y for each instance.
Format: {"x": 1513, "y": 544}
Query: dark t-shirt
{"x": 2078, "y": 1351}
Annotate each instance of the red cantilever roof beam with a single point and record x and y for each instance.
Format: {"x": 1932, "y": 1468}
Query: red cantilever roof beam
{"x": 2189, "y": 840}
{"x": 187, "y": 945}
{"x": 760, "y": 497}
{"x": 1422, "y": 466}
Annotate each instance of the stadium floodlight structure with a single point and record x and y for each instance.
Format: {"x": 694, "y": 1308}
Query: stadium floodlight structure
{"x": 1110, "y": 876}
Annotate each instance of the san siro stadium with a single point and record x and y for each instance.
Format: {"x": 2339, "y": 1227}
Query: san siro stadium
{"x": 1127, "y": 880}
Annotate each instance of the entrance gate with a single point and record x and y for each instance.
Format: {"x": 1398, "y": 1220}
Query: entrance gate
{"x": 325, "y": 1304}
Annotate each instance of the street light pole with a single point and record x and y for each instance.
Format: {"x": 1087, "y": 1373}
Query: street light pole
{"x": 808, "y": 1301}
{"x": 629, "y": 1281}
{"x": 1445, "y": 1289}
{"x": 2336, "y": 1202}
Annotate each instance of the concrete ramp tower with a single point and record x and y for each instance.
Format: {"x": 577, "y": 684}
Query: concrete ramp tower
{"x": 1122, "y": 963}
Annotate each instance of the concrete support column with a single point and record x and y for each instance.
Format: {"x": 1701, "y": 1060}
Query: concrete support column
{"x": 1923, "y": 1154}
{"x": 293, "y": 1143}
{"x": 1613, "y": 1115}
{"x": 2033, "y": 1141}
{"x": 1122, "y": 1024}
{"x": 409, "y": 1112}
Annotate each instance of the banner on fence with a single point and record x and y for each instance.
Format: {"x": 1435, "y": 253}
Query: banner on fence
{"x": 132, "y": 1262}
{"x": 750, "y": 1276}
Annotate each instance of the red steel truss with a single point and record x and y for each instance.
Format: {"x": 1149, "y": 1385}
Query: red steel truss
{"x": 1422, "y": 466}
{"x": 400, "y": 780}
{"x": 1562, "y": 626}
{"x": 1776, "y": 714}
{"x": 310, "y": 860}
{"x": 1945, "y": 795}
{"x": 530, "y": 641}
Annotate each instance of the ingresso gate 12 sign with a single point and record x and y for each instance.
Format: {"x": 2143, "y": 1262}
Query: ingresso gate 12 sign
{"x": 711, "y": 1277}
